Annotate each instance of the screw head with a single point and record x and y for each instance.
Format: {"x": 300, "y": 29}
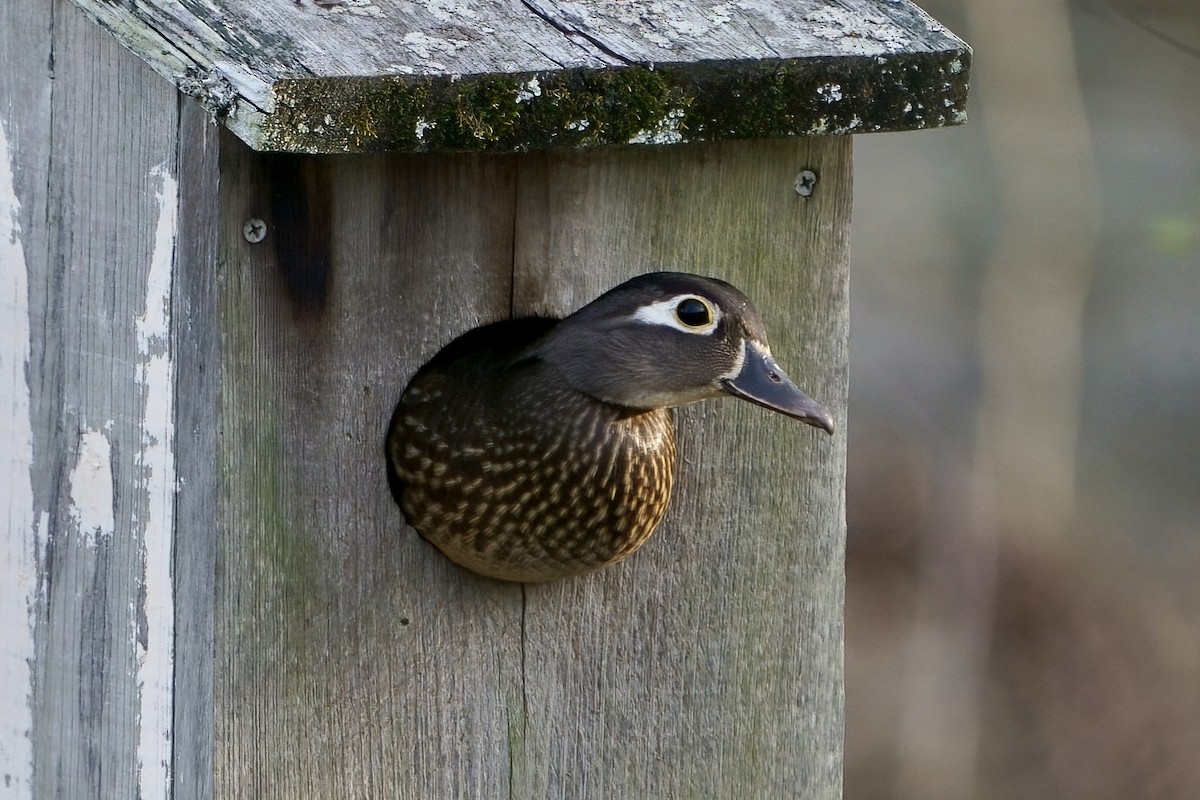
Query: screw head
{"x": 805, "y": 182}
{"x": 254, "y": 230}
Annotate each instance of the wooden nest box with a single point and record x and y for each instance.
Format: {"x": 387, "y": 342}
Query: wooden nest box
{"x": 205, "y": 587}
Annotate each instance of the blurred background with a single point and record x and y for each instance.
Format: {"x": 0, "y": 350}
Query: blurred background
{"x": 1023, "y": 597}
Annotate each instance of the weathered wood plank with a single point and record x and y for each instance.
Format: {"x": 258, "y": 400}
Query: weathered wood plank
{"x": 196, "y": 347}
{"x": 100, "y": 220}
{"x": 19, "y": 554}
{"x": 24, "y": 167}
{"x": 352, "y": 659}
{"x": 709, "y": 664}
{"x": 499, "y": 76}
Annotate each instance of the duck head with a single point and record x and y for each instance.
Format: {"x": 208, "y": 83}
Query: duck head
{"x": 666, "y": 339}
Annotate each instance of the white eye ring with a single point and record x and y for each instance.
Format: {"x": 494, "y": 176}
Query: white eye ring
{"x": 666, "y": 312}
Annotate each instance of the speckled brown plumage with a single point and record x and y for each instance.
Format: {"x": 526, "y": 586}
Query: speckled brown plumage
{"x": 536, "y": 449}
{"x": 516, "y": 475}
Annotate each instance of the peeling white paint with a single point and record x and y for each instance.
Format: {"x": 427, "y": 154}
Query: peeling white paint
{"x": 91, "y": 491}
{"x": 19, "y": 548}
{"x": 156, "y": 378}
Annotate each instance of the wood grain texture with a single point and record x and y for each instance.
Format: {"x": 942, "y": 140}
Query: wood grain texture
{"x": 196, "y": 345}
{"x": 97, "y": 226}
{"x": 25, "y": 88}
{"x": 338, "y": 654}
{"x": 365, "y": 75}
{"x": 709, "y": 664}
{"x": 352, "y": 658}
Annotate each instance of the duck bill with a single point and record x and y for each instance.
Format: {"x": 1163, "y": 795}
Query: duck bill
{"x": 760, "y": 380}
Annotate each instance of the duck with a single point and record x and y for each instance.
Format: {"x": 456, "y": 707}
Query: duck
{"x": 538, "y": 449}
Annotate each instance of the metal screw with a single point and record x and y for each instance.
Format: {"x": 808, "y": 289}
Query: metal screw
{"x": 805, "y": 182}
{"x": 255, "y": 230}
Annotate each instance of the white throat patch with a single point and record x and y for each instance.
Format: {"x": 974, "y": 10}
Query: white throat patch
{"x": 664, "y": 312}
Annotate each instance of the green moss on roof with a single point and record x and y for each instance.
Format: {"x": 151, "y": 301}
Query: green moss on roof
{"x": 628, "y": 105}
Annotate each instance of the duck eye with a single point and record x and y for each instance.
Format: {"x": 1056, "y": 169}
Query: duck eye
{"x": 693, "y": 312}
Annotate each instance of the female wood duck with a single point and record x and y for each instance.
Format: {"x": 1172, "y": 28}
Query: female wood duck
{"x": 535, "y": 449}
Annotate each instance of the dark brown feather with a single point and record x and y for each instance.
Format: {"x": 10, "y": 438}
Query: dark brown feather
{"x": 513, "y": 474}
{"x": 538, "y": 449}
